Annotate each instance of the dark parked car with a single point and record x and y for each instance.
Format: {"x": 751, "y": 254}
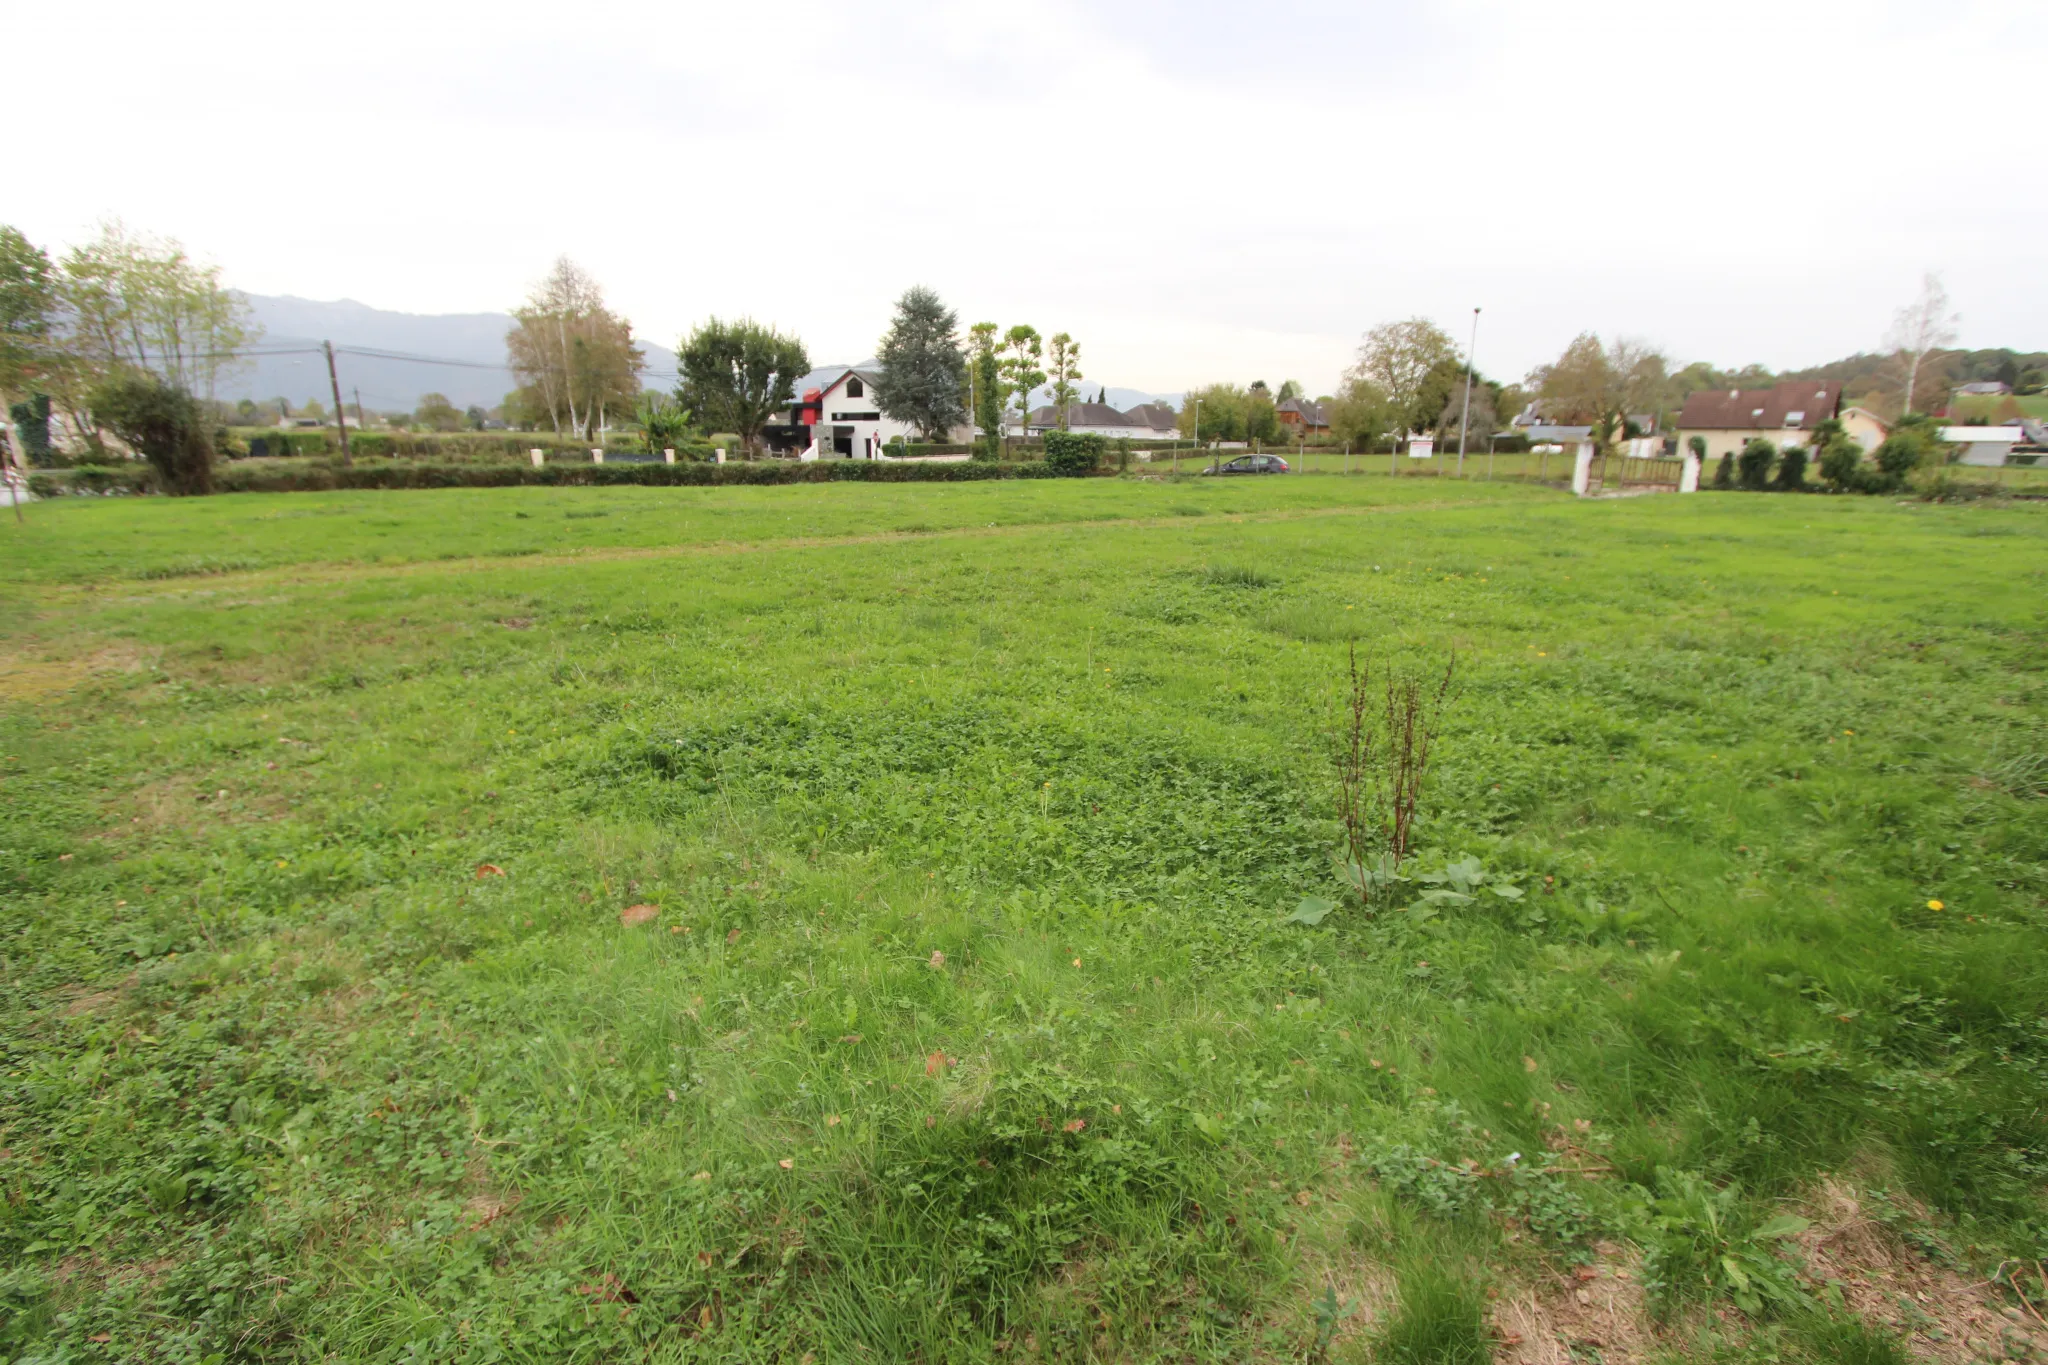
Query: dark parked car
{"x": 1251, "y": 464}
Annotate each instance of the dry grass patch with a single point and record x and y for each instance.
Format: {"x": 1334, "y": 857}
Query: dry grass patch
{"x": 1593, "y": 1311}
{"x": 1940, "y": 1314}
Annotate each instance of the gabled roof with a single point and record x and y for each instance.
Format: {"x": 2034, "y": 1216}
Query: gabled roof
{"x": 871, "y": 378}
{"x": 1311, "y": 413}
{"x": 1815, "y": 400}
{"x": 1080, "y": 415}
{"x": 1156, "y": 416}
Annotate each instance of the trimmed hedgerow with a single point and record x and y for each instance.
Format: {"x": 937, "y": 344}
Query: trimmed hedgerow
{"x": 253, "y": 476}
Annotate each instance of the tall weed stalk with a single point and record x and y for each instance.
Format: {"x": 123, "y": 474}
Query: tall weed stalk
{"x": 1390, "y": 729}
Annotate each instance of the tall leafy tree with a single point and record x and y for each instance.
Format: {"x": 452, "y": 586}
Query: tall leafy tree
{"x": 28, "y": 310}
{"x": 924, "y": 369}
{"x": 133, "y": 302}
{"x": 1022, "y": 353}
{"x": 574, "y": 353}
{"x": 1396, "y": 358}
{"x": 1600, "y": 385}
{"x": 736, "y": 375}
{"x": 1362, "y": 413}
{"x": 1063, "y": 361}
{"x": 1219, "y": 408}
{"x": 987, "y": 385}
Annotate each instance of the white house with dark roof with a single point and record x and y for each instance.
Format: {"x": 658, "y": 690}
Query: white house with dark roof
{"x": 1145, "y": 422}
{"x": 1153, "y": 422}
{"x": 838, "y": 407}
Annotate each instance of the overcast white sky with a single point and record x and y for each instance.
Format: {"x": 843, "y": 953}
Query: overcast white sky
{"x": 1197, "y": 190}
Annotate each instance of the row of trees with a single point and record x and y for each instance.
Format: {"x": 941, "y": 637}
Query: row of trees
{"x": 734, "y": 375}
{"x": 74, "y": 329}
{"x": 1227, "y": 412}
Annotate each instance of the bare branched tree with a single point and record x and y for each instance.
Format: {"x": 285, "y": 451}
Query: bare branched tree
{"x": 1921, "y": 328}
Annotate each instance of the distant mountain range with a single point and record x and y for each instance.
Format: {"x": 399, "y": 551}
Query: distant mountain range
{"x": 458, "y": 355}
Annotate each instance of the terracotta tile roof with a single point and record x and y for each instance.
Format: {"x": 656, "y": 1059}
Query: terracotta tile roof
{"x": 1804, "y": 402}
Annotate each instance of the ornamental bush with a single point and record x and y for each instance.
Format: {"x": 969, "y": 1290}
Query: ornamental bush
{"x": 1753, "y": 465}
{"x": 1074, "y": 453}
{"x": 1791, "y": 470}
{"x": 162, "y": 423}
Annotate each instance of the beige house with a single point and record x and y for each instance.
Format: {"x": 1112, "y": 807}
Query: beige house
{"x": 1865, "y": 428}
{"x": 1784, "y": 415}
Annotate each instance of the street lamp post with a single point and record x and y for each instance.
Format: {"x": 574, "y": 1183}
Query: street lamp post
{"x": 1466, "y": 420}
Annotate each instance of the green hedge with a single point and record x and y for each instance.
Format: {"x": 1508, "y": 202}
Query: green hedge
{"x": 261, "y": 443}
{"x": 311, "y": 476}
{"x": 248, "y": 477}
{"x": 129, "y": 477}
{"x": 1073, "y": 453}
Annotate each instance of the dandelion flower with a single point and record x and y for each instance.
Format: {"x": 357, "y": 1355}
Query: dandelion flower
{"x": 1935, "y": 905}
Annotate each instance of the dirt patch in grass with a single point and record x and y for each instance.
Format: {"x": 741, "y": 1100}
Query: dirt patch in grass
{"x": 1940, "y": 1313}
{"x": 1591, "y": 1312}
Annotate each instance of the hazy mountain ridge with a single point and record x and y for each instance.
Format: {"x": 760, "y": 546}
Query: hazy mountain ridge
{"x": 475, "y": 340}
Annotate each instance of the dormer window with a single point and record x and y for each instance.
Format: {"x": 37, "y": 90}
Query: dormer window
{"x": 1794, "y": 420}
{"x": 855, "y": 389}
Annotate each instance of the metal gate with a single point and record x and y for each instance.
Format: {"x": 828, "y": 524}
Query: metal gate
{"x": 1614, "y": 474}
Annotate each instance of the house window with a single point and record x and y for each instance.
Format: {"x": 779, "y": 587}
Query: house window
{"x": 1794, "y": 419}
{"x": 855, "y": 389}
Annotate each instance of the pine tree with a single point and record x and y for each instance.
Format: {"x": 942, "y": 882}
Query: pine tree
{"x": 923, "y": 365}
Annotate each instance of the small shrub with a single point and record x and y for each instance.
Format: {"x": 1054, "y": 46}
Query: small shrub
{"x": 1383, "y": 757}
{"x": 32, "y": 430}
{"x": 162, "y": 422}
{"x": 1791, "y": 470}
{"x": 1840, "y": 457}
{"x": 1074, "y": 453}
{"x": 1753, "y": 465}
{"x": 1724, "y": 472}
{"x": 1699, "y": 1242}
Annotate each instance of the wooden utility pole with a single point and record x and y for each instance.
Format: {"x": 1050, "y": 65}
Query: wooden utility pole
{"x": 340, "y": 414}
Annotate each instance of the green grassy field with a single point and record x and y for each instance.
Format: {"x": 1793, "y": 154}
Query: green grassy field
{"x": 851, "y": 922}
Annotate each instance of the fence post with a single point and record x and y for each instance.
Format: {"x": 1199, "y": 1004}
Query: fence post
{"x": 536, "y": 456}
{"x": 596, "y": 456}
{"x": 1582, "y": 469}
